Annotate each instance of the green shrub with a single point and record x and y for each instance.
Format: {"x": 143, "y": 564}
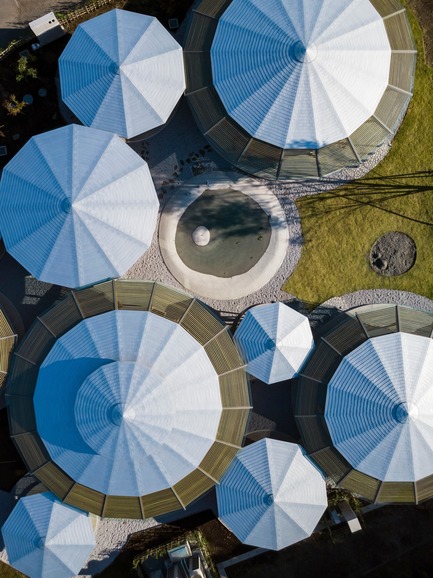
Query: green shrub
{"x": 13, "y": 106}
{"x": 23, "y": 69}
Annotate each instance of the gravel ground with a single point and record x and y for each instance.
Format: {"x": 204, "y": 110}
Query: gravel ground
{"x": 164, "y": 154}
{"x": 368, "y": 297}
{"x": 333, "y": 306}
{"x": 111, "y": 535}
{"x": 16, "y": 14}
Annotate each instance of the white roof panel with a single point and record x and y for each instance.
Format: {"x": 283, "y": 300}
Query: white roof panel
{"x": 272, "y": 495}
{"x": 122, "y": 72}
{"x": 77, "y": 206}
{"x": 379, "y": 407}
{"x": 127, "y": 403}
{"x": 300, "y": 73}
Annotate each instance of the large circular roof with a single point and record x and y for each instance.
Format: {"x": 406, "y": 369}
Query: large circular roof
{"x": 364, "y": 403}
{"x": 129, "y": 418}
{"x": 300, "y": 74}
{"x": 379, "y": 407}
{"x": 128, "y": 399}
{"x": 287, "y": 89}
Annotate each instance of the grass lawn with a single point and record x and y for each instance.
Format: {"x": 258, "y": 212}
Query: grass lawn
{"x": 7, "y": 571}
{"x": 339, "y": 227}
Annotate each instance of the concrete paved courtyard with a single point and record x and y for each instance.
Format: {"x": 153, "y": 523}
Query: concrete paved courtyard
{"x": 16, "y": 14}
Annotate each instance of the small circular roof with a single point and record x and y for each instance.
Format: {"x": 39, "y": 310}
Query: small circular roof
{"x": 44, "y": 537}
{"x": 274, "y": 340}
{"x": 272, "y": 495}
{"x": 122, "y": 72}
{"x": 139, "y": 404}
{"x": 379, "y": 407}
{"x": 303, "y": 74}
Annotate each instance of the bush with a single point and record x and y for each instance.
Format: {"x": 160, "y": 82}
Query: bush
{"x": 13, "y": 106}
{"x": 24, "y": 70}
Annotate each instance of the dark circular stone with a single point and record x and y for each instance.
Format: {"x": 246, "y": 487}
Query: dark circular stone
{"x": 393, "y": 254}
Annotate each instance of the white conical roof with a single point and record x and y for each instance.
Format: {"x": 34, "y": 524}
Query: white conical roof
{"x": 379, "y": 407}
{"x": 300, "y": 73}
{"x": 46, "y": 539}
{"x": 77, "y": 206}
{"x": 274, "y": 341}
{"x": 272, "y": 495}
{"x": 127, "y": 403}
{"x": 122, "y": 72}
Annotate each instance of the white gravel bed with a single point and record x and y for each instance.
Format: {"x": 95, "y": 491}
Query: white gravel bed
{"x": 111, "y": 535}
{"x": 379, "y": 296}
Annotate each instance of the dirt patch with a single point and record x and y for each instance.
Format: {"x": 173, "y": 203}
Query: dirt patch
{"x": 7, "y": 571}
{"x": 393, "y": 254}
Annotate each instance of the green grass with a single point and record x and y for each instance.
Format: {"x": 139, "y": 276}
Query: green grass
{"x": 8, "y": 572}
{"x": 339, "y": 227}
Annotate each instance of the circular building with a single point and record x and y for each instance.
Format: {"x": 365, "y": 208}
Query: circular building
{"x": 274, "y": 340}
{"x": 46, "y": 539}
{"x": 286, "y": 89}
{"x": 271, "y": 496}
{"x": 122, "y": 72}
{"x": 364, "y": 403}
{"x": 77, "y": 206}
{"x": 136, "y": 401}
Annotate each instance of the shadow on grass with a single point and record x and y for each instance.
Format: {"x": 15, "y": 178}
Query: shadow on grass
{"x": 372, "y": 192}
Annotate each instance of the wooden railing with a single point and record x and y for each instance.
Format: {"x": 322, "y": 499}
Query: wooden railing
{"x": 15, "y": 44}
{"x": 84, "y": 10}
{"x": 64, "y": 20}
